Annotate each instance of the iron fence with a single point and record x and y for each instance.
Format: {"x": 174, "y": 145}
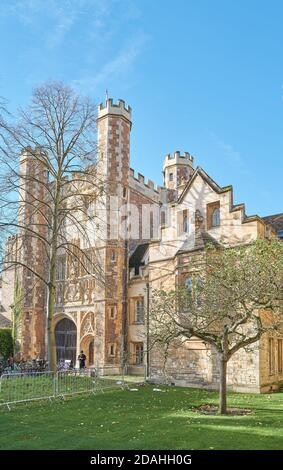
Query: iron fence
{"x": 29, "y": 386}
{"x": 24, "y": 387}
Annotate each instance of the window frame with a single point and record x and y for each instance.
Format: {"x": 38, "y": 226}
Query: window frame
{"x": 110, "y": 353}
{"x": 112, "y": 308}
{"x": 137, "y": 310}
{"x": 271, "y": 356}
{"x": 138, "y": 355}
{"x": 210, "y": 209}
{"x": 215, "y": 219}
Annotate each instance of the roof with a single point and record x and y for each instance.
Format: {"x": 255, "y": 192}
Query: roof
{"x": 219, "y": 190}
{"x": 275, "y": 220}
{"x": 202, "y": 239}
{"x": 200, "y": 171}
{"x": 5, "y": 322}
{"x": 137, "y": 255}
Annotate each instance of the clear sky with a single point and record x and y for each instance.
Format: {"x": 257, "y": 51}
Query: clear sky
{"x": 201, "y": 76}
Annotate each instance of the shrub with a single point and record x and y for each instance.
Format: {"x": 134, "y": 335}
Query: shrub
{"x": 6, "y": 343}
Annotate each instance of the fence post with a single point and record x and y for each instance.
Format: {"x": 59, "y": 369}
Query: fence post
{"x": 55, "y": 384}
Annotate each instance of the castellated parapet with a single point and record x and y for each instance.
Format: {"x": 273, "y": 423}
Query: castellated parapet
{"x": 148, "y": 188}
{"x": 177, "y": 170}
{"x": 119, "y": 109}
{"x": 176, "y": 158}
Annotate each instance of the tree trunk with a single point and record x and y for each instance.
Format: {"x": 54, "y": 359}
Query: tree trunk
{"x": 51, "y": 330}
{"x": 52, "y": 356}
{"x": 51, "y": 304}
{"x": 223, "y": 384}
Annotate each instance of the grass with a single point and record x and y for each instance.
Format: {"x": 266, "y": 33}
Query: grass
{"x": 143, "y": 420}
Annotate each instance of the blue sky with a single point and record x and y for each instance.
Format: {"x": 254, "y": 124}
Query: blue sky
{"x": 201, "y": 76}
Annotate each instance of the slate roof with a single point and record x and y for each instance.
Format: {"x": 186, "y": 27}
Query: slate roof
{"x": 137, "y": 256}
{"x": 275, "y": 220}
{"x": 202, "y": 239}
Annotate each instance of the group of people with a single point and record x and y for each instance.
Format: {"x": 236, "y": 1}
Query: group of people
{"x": 68, "y": 364}
{"x": 39, "y": 365}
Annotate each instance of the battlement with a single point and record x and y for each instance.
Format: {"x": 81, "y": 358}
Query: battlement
{"x": 177, "y": 159}
{"x": 119, "y": 109}
{"x": 29, "y": 152}
{"x": 147, "y": 187}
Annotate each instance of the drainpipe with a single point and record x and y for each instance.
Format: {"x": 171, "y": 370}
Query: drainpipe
{"x": 147, "y": 330}
{"x": 125, "y": 281}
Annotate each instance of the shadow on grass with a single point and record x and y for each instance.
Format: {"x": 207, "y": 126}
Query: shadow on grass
{"x": 143, "y": 420}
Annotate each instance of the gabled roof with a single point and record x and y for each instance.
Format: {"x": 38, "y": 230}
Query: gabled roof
{"x": 202, "y": 239}
{"x": 199, "y": 171}
{"x": 219, "y": 190}
{"x": 275, "y": 220}
{"x": 137, "y": 255}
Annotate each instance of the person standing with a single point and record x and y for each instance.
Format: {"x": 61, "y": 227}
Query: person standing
{"x": 82, "y": 359}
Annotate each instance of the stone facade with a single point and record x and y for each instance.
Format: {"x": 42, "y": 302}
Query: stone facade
{"x": 150, "y": 238}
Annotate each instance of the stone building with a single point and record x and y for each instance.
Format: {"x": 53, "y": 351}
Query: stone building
{"x": 164, "y": 230}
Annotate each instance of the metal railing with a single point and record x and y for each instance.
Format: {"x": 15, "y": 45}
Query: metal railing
{"x": 30, "y": 386}
{"x": 24, "y": 387}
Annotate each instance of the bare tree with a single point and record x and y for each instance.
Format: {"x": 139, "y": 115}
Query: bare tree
{"x": 231, "y": 300}
{"x": 49, "y": 185}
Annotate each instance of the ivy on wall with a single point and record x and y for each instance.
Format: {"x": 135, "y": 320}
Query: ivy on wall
{"x": 6, "y": 343}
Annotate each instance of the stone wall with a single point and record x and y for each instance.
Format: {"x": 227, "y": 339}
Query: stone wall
{"x": 271, "y": 378}
{"x": 32, "y": 215}
{"x": 195, "y": 365}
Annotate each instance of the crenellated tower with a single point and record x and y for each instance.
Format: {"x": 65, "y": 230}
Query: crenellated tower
{"x": 114, "y": 126}
{"x": 32, "y": 252}
{"x": 177, "y": 170}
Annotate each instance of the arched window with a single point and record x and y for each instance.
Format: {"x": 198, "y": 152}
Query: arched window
{"x": 189, "y": 284}
{"x": 66, "y": 340}
{"x": 216, "y": 217}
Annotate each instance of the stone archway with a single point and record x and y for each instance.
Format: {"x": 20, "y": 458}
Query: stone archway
{"x": 66, "y": 340}
{"x": 91, "y": 353}
{"x": 87, "y": 346}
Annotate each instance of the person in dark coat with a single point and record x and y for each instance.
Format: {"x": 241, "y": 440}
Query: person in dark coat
{"x": 82, "y": 359}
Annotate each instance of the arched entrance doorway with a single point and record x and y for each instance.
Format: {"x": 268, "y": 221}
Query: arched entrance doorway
{"x": 91, "y": 353}
{"x": 66, "y": 340}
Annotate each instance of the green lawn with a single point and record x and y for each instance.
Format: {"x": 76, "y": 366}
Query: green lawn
{"x": 143, "y": 420}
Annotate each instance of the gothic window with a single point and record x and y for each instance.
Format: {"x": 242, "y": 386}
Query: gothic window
{"x": 139, "y": 310}
{"x": 271, "y": 355}
{"x": 138, "y": 354}
{"x": 189, "y": 284}
{"x": 171, "y": 176}
{"x": 183, "y": 221}
{"x": 151, "y": 225}
{"x": 216, "y": 217}
{"x": 60, "y": 269}
{"x": 112, "y": 312}
{"x": 59, "y": 294}
{"x": 112, "y": 350}
{"x": 113, "y": 255}
{"x": 213, "y": 214}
